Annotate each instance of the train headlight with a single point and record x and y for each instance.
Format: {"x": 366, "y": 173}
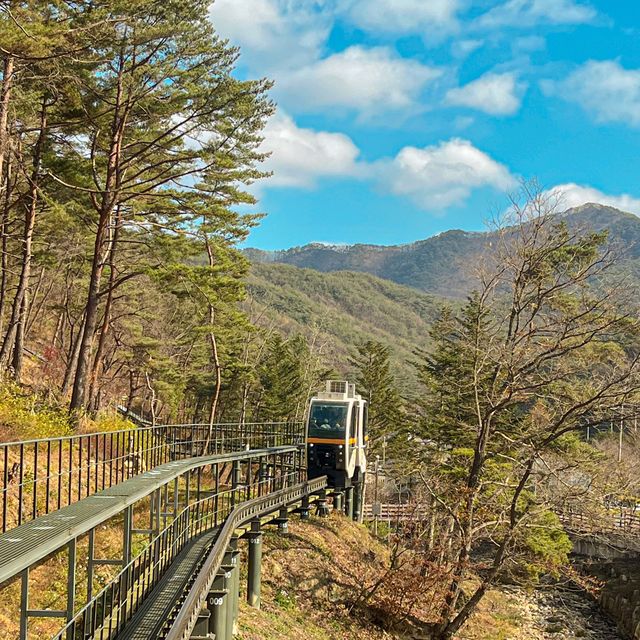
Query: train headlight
{"x": 340, "y": 447}
{"x": 311, "y": 444}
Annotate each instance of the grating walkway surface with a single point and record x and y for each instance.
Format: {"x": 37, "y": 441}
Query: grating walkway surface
{"x": 152, "y": 615}
{"x": 33, "y": 541}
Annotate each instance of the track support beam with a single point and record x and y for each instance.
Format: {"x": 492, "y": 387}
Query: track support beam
{"x": 217, "y": 606}
{"x": 348, "y": 502}
{"x": 254, "y": 568}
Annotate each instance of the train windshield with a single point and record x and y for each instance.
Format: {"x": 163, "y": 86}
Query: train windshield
{"x": 328, "y": 420}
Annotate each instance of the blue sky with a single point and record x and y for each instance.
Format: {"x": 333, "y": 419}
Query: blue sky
{"x": 399, "y": 119}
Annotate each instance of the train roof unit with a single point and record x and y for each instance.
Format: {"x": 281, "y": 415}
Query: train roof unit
{"x": 338, "y": 390}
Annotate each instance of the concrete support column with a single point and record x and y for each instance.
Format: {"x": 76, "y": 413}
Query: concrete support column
{"x": 254, "y": 565}
{"x": 348, "y": 502}
{"x": 304, "y": 508}
{"x": 283, "y": 521}
{"x": 217, "y": 606}
{"x": 337, "y": 501}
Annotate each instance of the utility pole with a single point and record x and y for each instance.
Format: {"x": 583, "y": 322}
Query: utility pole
{"x": 621, "y": 431}
{"x": 375, "y": 496}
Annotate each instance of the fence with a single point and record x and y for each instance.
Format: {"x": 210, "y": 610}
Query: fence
{"x": 40, "y": 476}
{"x": 621, "y": 521}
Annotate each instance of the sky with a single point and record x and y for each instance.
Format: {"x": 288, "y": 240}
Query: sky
{"x": 400, "y": 119}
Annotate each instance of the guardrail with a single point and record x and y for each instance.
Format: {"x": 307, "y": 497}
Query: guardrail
{"x": 40, "y": 476}
{"x": 396, "y": 512}
{"x": 621, "y": 521}
{"x": 110, "y": 610}
{"x": 187, "y": 616}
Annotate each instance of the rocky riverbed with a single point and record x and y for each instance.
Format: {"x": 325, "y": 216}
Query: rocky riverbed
{"x": 554, "y": 614}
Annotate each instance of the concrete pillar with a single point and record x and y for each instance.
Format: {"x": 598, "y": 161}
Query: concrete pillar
{"x": 254, "y": 568}
{"x": 217, "y": 606}
{"x": 283, "y": 521}
{"x": 348, "y": 502}
{"x": 304, "y": 508}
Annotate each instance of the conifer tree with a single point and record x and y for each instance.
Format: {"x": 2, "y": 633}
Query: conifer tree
{"x": 376, "y": 383}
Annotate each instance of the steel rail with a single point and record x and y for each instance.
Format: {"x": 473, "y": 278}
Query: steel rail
{"x": 187, "y": 616}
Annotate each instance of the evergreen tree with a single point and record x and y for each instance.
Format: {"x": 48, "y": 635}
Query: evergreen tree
{"x": 376, "y": 383}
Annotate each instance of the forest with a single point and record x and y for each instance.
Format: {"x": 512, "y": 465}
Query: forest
{"x": 128, "y": 148}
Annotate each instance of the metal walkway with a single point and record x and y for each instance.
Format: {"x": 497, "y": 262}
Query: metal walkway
{"x": 26, "y": 545}
{"x": 172, "y": 501}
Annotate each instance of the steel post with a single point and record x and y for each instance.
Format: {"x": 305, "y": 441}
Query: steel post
{"x": 232, "y": 561}
{"x": 322, "y": 509}
{"x": 201, "y": 630}
{"x": 217, "y": 606}
{"x": 126, "y": 536}
{"x": 71, "y": 585}
{"x": 90, "y": 559}
{"x": 304, "y": 508}
{"x": 254, "y": 564}
{"x": 283, "y": 521}
{"x": 357, "y": 501}
{"x": 337, "y": 501}
{"x": 24, "y": 604}
{"x": 348, "y": 501}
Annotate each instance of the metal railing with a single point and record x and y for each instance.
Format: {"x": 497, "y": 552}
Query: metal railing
{"x": 621, "y": 521}
{"x": 182, "y": 625}
{"x": 41, "y": 476}
{"x": 114, "y": 606}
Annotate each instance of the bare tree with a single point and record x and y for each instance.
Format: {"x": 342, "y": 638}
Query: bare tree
{"x": 546, "y": 347}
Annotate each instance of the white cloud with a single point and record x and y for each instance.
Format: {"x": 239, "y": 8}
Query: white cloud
{"x": 529, "y": 13}
{"x": 367, "y": 80}
{"x": 462, "y": 48}
{"x": 439, "y": 176}
{"x": 429, "y": 18}
{"x": 605, "y": 89}
{"x": 299, "y": 157}
{"x": 283, "y": 33}
{"x": 527, "y": 44}
{"x": 494, "y": 93}
{"x": 574, "y": 195}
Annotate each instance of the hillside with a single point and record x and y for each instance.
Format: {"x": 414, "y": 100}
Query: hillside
{"x": 312, "y": 576}
{"x": 444, "y": 265}
{"x": 345, "y": 308}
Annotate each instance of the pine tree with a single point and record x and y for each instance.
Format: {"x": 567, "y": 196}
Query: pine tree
{"x": 376, "y": 383}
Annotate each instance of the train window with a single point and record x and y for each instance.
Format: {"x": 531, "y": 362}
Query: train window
{"x": 354, "y": 422}
{"x": 328, "y": 420}
{"x": 365, "y": 418}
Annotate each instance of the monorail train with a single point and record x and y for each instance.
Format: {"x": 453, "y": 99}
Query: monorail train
{"x": 337, "y": 437}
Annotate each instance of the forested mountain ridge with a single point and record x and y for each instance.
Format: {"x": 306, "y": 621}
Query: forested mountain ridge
{"x": 445, "y": 264}
{"x": 343, "y": 309}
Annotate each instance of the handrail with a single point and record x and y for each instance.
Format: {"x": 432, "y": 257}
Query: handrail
{"x": 118, "y": 601}
{"x": 187, "y": 615}
{"x": 42, "y": 475}
{"x": 13, "y": 563}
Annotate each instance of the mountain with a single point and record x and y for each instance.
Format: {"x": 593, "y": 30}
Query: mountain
{"x": 444, "y": 265}
{"x": 344, "y": 295}
{"x": 343, "y": 309}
